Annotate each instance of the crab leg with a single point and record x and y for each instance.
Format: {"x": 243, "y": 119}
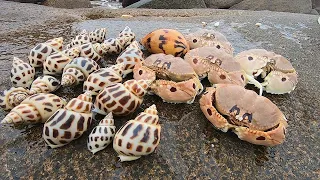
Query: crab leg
{"x": 253, "y": 81}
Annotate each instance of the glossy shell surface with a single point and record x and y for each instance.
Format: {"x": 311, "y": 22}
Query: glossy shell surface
{"x": 102, "y": 78}
{"x": 121, "y": 99}
{"x": 167, "y": 41}
{"x": 102, "y": 135}
{"x": 22, "y": 74}
{"x": 138, "y": 137}
{"x": 69, "y": 123}
{"x": 44, "y": 84}
{"x": 34, "y": 109}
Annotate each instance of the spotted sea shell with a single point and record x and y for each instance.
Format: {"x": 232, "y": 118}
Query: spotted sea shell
{"x": 80, "y": 39}
{"x": 93, "y": 51}
{"x": 121, "y": 99}
{"x": 138, "y": 137}
{"x": 34, "y": 109}
{"x": 44, "y": 84}
{"x": 102, "y": 135}
{"x": 102, "y": 78}
{"x": 55, "y": 62}
{"x": 69, "y": 123}
{"x": 127, "y": 36}
{"x": 41, "y": 51}
{"x": 130, "y": 57}
{"x": 22, "y": 74}
{"x": 78, "y": 70}
{"x": 98, "y": 35}
{"x": 113, "y": 45}
{"x": 12, "y": 97}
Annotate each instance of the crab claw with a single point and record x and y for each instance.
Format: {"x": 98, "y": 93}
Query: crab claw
{"x": 253, "y": 81}
{"x": 279, "y": 83}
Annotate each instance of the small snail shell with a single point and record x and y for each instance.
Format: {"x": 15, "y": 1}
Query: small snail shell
{"x": 12, "y": 97}
{"x": 130, "y": 57}
{"x": 98, "y": 35}
{"x": 93, "y": 51}
{"x": 44, "y": 84}
{"x": 127, "y": 36}
{"x": 22, "y": 73}
{"x": 121, "y": 99}
{"x": 102, "y": 135}
{"x": 78, "y": 70}
{"x": 55, "y": 62}
{"x": 80, "y": 39}
{"x": 102, "y": 78}
{"x": 34, "y": 109}
{"x": 138, "y": 137}
{"x": 39, "y": 53}
{"x": 113, "y": 45}
{"x": 68, "y": 124}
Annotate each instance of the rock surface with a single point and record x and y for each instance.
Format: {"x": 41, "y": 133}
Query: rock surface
{"x": 68, "y": 4}
{"x": 169, "y": 4}
{"x": 190, "y": 148}
{"x": 221, "y": 4}
{"x": 295, "y": 6}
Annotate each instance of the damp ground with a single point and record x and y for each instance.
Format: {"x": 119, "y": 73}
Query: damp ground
{"x": 190, "y": 148}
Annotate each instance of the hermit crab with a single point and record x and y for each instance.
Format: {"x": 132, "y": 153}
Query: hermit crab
{"x": 138, "y": 137}
{"x": 205, "y": 37}
{"x": 219, "y": 66}
{"x": 252, "y": 117}
{"x": 277, "y": 72}
{"x": 177, "y": 83}
{"x": 167, "y": 41}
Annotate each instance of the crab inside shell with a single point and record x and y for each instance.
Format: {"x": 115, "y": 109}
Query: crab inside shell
{"x": 252, "y": 117}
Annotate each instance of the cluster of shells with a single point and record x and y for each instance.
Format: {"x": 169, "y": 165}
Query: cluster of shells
{"x": 173, "y": 72}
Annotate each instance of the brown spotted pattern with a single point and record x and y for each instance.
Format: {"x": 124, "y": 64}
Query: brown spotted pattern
{"x": 113, "y": 45}
{"x": 78, "y": 71}
{"x": 138, "y": 137}
{"x": 41, "y": 51}
{"x": 34, "y": 109}
{"x": 252, "y": 117}
{"x": 12, "y": 97}
{"x": 167, "y": 41}
{"x": 22, "y": 73}
{"x": 44, "y": 84}
{"x": 102, "y": 78}
{"x": 69, "y": 123}
{"x": 93, "y": 51}
{"x": 121, "y": 99}
{"x": 55, "y": 62}
{"x": 102, "y": 135}
{"x": 130, "y": 57}
{"x": 98, "y": 35}
{"x": 126, "y": 36}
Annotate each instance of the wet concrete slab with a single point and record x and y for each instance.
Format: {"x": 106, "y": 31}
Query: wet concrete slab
{"x": 190, "y": 148}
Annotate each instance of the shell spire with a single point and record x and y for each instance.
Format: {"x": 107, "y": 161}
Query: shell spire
{"x": 102, "y": 135}
{"x": 78, "y": 70}
{"x": 34, "y": 109}
{"x": 138, "y": 137}
{"x": 149, "y": 112}
{"x": 69, "y": 123}
{"x": 41, "y": 51}
{"x": 44, "y": 84}
{"x": 138, "y": 87}
{"x": 12, "y": 97}
{"x": 22, "y": 73}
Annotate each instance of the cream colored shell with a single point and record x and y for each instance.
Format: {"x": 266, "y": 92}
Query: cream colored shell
{"x": 12, "y": 97}
{"x": 22, "y": 74}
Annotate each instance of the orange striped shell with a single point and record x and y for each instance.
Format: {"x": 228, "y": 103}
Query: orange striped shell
{"x": 167, "y": 41}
